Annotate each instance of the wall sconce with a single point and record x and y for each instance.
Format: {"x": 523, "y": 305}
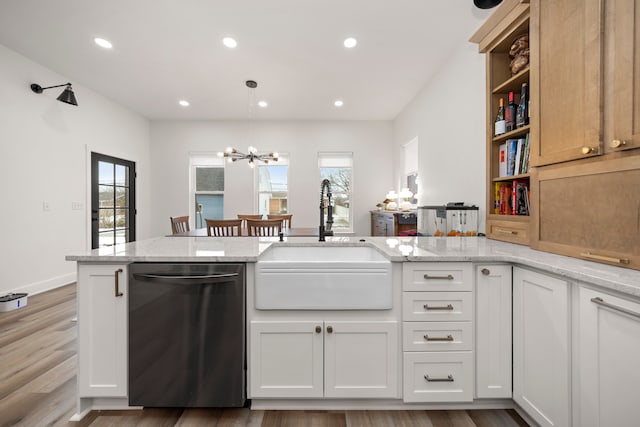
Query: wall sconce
{"x": 486, "y": 4}
{"x": 66, "y": 96}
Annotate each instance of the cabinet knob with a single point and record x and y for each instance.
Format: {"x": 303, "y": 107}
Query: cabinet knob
{"x": 329, "y": 329}
{"x": 588, "y": 150}
{"x": 318, "y": 329}
{"x": 617, "y": 143}
{"x": 485, "y": 271}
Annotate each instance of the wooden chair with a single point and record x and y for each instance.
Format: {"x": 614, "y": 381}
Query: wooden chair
{"x": 286, "y": 219}
{"x": 244, "y": 218}
{"x": 179, "y": 224}
{"x": 267, "y": 227}
{"x": 224, "y": 227}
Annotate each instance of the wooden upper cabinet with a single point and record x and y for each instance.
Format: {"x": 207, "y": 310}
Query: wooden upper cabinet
{"x": 622, "y": 39}
{"x": 566, "y": 80}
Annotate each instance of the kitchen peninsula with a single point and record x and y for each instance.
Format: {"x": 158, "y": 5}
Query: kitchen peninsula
{"x": 464, "y": 313}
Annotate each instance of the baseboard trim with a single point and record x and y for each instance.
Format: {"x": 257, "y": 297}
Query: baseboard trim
{"x": 47, "y": 285}
{"x": 377, "y": 404}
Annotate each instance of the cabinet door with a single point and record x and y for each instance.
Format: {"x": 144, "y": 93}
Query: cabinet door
{"x": 285, "y": 359}
{"x": 624, "y": 16}
{"x": 102, "y": 330}
{"x": 541, "y": 347}
{"x": 493, "y": 331}
{"x": 566, "y": 80}
{"x": 590, "y": 210}
{"x": 609, "y": 380}
{"x": 361, "y": 359}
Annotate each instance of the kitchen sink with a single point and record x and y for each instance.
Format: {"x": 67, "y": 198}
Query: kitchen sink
{"x": 323, "y": 278}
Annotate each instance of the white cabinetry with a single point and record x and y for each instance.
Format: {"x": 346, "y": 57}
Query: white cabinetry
{"x": 102, "y": 330}
{"x": 493, "y": 331}
{"x": 437, "y": 313}
{"x": 609, "y": 350}
{"x": 541, "y": 347}
{"x": 324, "y": 358}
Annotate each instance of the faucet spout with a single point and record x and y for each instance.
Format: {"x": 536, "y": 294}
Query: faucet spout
{"x": 325, "y": 229}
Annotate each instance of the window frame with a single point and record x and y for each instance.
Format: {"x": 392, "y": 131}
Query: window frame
{"x": 337, "y": 157}
{"x": 283, "y": 160}
{"x": 197, "y": 160}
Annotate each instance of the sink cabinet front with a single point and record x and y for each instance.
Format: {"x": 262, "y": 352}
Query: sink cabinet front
{"x": 314, "y": 359}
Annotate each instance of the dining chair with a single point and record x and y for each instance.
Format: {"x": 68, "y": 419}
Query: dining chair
{"x": 179, "y": 224}
{"x": 224, "y": 227}
{"x": 265, "y": 227}
{"x": 245, "y": 217}
{"x": 286, "y": 219}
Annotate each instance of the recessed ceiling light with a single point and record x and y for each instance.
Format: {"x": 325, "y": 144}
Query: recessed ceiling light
{"x": 183, "y": 103}
{"x": 338, "y": 103}
{"x": 263, "y": 104}
{"x": 350, "y": 42}
{"x": 103, "y": 43}
{"x": 230, "y": 42}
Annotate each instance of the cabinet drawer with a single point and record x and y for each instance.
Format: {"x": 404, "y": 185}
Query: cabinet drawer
{"x": 438, "y": 377}
{"x": 437, "y": 336}
{"x": 509, "y": 231}
{"x": 437, "y": 306}
{"x": 437, "y": 276}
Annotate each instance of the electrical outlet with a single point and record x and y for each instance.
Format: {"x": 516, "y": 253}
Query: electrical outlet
{"x": 76, "y": 206}
{"x": 46, "y": 206}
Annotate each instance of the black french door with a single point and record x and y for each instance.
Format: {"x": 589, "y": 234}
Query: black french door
{"x": 113, "y": 212}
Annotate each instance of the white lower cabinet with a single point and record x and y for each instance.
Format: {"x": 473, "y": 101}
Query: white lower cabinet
{"x": 437, "y": 337}
{"x": 102, "y": 330}
{"x": 315, "y": 359}
{"x": 493, "y": 331}
{"x": 608, "y": 359}
{"x": 541, "y": 347}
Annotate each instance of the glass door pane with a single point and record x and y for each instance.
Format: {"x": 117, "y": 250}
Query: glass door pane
{"x": 112, "y": 200}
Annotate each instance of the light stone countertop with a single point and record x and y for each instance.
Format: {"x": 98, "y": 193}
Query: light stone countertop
{"x": 398, "y": 249}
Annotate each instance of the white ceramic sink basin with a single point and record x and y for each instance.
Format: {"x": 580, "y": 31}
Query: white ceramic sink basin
{"x": 323, "y": 278}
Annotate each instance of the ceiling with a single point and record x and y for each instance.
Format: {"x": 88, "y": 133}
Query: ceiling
{"x": 168, "y": 50}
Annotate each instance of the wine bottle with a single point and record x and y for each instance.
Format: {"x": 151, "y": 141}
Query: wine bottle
{"x": 500, "y": 123}
{"x": 510, "y": 114}
{"x": 522, "y": 113}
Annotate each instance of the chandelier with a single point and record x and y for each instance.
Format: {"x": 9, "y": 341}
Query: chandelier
{"x": 252, "y": 155}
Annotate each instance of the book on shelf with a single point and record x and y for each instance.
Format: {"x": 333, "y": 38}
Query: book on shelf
{"x": 525, "y": 155}
{"x": 517, "y": 169}
{"x": 512, "y": 148}
{"x": 502, "y": 202}
{"x": 502, "y": 160}
{"x": 520, "y": 197}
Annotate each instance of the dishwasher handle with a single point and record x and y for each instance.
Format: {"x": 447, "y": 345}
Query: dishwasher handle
{"x": 186, "y": 279}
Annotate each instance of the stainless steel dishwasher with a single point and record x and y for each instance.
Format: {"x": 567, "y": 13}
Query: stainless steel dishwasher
{"x": 187, "y": 335}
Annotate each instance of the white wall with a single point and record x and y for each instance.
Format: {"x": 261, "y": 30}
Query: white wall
{"x": 448, "y": 117}
{"x": 43, "y": 158}
{"x": 370, "y": 141}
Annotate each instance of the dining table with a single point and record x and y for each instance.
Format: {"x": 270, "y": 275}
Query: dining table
{"x": 287, "y": 232}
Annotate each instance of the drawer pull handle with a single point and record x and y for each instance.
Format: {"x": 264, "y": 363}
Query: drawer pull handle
{"x": 485, "y": 271}
{"x": 503, "y": 231}
{"x": 117, "y": 276}
{"x": 447, "y": 338}
{"x": 447, "y": 277}
{"x": 603, "y": 303}
{"x": 439, "y": 380}
{"x": 589, "y": 150}
{"x": 438, "y": 307}
{"x": 605, "y": 258}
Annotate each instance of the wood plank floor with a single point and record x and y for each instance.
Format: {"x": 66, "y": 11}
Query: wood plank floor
{"x": 38, "y": 385}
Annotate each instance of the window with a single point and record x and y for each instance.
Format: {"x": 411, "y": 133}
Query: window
{"x": 273, "y": 187}
{"x": 207, "y": 188}
{"x": 338, "y": 169}
{"x": 410, "y": 155}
